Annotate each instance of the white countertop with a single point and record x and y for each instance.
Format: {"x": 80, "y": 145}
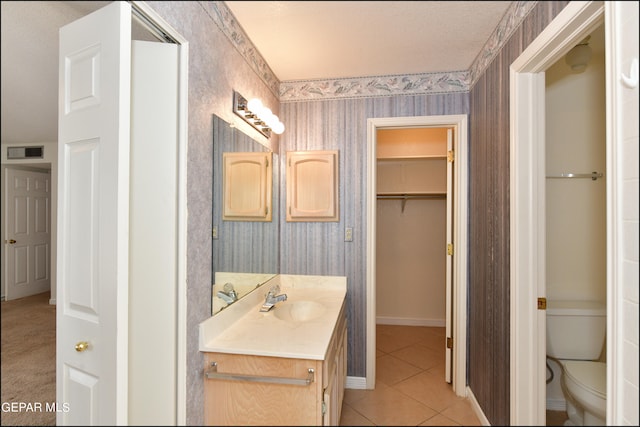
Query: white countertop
{"x": 243, "y": 329}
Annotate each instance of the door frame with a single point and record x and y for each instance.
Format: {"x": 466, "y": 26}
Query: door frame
{"x": 527, "y": 207}
{"x": 460, "y": 214}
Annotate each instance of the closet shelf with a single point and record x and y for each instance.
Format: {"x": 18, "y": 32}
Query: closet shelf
{"x": 412, "y": 196}
{"x": 420, "y": 157}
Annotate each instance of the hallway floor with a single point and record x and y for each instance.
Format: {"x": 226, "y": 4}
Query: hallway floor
{"x": 410, "y": 386}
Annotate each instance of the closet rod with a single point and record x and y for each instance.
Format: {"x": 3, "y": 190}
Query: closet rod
{"x": 592, "y": 175}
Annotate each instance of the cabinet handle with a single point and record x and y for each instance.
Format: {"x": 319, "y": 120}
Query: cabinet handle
{"x": 213, "y": 374}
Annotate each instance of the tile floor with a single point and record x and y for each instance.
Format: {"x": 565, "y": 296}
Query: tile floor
{"x": 410, "y": 386}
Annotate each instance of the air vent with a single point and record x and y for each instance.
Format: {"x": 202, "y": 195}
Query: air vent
{"x": 15, "y": 153}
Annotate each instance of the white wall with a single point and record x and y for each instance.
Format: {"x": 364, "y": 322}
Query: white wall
{"x": 49, "y": 161}
{"x": 410, "y": 251}
{"x": 576, "y": 250}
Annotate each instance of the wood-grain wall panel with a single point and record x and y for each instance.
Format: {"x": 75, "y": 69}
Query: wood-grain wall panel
{"x": 319, "y": 248}
{"x": 489, "y": 261}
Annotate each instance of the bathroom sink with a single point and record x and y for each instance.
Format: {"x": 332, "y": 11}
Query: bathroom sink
{"x": 299, "y": 311}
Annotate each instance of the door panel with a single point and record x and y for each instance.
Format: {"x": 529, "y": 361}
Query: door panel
{"x": 93, "y": 159}
{"x": 82, "y": 390}
{"x": 152, "y": 375}
{"x": 82, "y": 257}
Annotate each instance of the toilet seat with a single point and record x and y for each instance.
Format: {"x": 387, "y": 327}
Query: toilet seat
{"x": 586, "y": 383}
{"x": 591, "y": 376}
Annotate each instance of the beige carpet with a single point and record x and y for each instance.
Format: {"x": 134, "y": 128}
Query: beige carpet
{"x": 28, "y": 361}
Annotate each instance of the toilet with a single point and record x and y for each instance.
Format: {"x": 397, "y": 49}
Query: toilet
{"x": 575, "y": 335}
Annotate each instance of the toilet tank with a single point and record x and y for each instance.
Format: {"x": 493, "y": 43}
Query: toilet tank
{"x": 576, "y": 329}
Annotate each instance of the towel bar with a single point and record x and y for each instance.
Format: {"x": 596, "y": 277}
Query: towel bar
{"x": 592, "y": 175}
{"x": 213, "y": 374}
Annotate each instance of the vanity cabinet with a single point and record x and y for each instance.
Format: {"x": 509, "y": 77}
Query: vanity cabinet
{"x": 312, "y": 186}
{"x": 335, "y": 375}
{"x": 247, "y": 181}
{"x": 245, "y": 389}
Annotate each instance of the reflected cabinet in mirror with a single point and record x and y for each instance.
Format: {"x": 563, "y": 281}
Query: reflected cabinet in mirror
{"x": 245, "y": 244}
{"x": 246, "y": 186}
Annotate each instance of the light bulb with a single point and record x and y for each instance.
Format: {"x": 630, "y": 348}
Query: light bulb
{"x": 278, "y": 128}
{"x": 271, "y": 120}
{"x": 578, "y": 57}
{"x": 254, "y": 105}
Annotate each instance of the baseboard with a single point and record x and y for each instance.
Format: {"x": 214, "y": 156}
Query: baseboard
{"x": 52, "y": 301}
{"x": 359, "y": 383}
{"x": 407, "y": 321}
{"x": 476, "y": 408}
{"x": 556, "y": 405}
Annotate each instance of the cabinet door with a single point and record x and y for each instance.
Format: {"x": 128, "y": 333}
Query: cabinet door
{"x": 334, "y": 390}
{"x": 244, "y": 402}
{"x": 341, "y": 369}
{"x": 312, "y": 186}
{"x": 247, "y": 180}
{"x": 331, "y": 401}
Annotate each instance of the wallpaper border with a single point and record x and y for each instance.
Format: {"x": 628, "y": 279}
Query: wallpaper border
{"x": 374, "y": 86}
{"x": 224, "y": 19}
{"x": 370, "y": 86}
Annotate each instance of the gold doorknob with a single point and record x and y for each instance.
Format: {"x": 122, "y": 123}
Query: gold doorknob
{"x": 82, "y": 346}
{"x": 11, "y": 242}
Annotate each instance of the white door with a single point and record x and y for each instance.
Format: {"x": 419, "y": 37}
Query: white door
{"x": 28, "y": 249}
{"x": 93, "y": 216}
{"x": 152, "y": 253}
{"x": 449, "y": 263}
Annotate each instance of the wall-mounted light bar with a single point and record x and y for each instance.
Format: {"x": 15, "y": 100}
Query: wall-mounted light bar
{"x": 258, "y": 116}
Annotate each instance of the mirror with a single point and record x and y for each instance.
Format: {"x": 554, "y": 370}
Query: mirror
{"x": 245, "y": 254}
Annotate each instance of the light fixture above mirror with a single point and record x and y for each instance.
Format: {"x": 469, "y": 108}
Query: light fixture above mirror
{"x": 257, "y": 115}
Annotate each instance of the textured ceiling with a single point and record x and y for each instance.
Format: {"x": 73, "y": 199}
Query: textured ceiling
{"x": 302, "y": 40}
{"x": 30, "y": 65}
{"x": 299, "y": 40}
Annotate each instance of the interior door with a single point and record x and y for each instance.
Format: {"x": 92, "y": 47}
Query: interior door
{"x": 93, "y": 159}
{"x": 28, "y": 246}
{"x": 153, "y": 190}
{"x": 449, "y": 263}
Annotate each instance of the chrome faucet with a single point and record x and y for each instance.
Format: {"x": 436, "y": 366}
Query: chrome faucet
{"x": 272, "y": 297}
{"x": 229, "y": 294}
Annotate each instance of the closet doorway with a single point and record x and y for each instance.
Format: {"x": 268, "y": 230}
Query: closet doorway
{"x": 413, "y": 229}
{"x": 416, "y": 250}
